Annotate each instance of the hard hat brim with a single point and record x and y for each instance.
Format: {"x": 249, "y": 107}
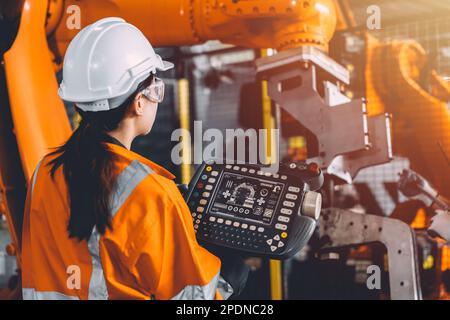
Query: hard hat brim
{"x": 165, "y": 65}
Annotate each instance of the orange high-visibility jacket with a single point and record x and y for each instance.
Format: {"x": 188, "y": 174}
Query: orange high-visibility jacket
{"x": 151, "y": 251}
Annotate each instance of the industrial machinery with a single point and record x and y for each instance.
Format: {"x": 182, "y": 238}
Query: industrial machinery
{"x": 293, "y": 84}
{"x": 261, "y": 213}
{"x": 414, "y": 186}
{"x": 33, "y": 118}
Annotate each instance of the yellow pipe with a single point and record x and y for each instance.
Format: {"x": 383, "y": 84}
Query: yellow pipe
{"x": 183, "y": 100}
{"x": 269, "y": 124}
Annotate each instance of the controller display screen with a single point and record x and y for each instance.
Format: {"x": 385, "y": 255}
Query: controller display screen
{"x": 246, "y": 198}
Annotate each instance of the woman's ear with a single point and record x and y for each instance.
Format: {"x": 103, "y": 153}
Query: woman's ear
{"x": 138, "y": 105}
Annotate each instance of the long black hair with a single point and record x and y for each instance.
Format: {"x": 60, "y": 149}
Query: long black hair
{"x": 88, "y": 167}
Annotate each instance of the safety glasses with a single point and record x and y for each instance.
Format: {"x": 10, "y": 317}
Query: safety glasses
{"x": 155, "y": 91}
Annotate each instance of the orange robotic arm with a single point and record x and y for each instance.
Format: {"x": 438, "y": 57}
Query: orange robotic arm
{"x": 278, "y": 24}
{"x": 422, "y": 119}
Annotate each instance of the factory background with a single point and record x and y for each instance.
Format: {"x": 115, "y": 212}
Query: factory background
{"x": 216, "y": 84}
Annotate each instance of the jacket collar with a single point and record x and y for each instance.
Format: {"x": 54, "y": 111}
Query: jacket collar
{"x": 130, "y": 155}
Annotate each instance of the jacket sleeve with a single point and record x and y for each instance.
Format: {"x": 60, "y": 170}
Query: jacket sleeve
{"x": 186, "y": 271}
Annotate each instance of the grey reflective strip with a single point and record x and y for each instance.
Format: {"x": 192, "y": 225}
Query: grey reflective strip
{"x": 225, "y": 289}
{"x": 31, "y": 294}
{"x": 97, "y": 284}
{"x": 126, "y": 183}
{"x": 193, "y": 292}
{"x": 33, "y": 180}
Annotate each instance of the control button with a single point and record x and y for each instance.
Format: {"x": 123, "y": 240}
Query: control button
{"x": 228, "y": 222}
{"x": 208, "y": 168}
{"x": 286, "y": 211}
{"x": 264, "y": 192}
{"x": 276, "y": 238}
{"x": 205, "y": 194}
{"x": 268, "y": 213}
{"x": 214, "y": 173}
{"x": 251, "y": 171}
{"x": 294, "y": 189}
{"x": 204, "y": 177}
{"x": 228, "y": 166}
{"x": 236, "y": 168}
{"x": 212, "y": 219}
{"x": 289, "y": 204}
{"x": 273, "y": 248}
{"x": 280, "y": 244}
{"x": 252, "y": 228}
{"x": 236, "y": 224}
{"x": 208, "y": 187}
{"x": 283, "y": 177}
{"x": 244, "y": 169}
{"x": 200, "y": 209}
{"x": 283, "y": 219}
{"x": 203, "y": 202}
{"x": 212, "y": 180}
{"x": 220, "y": 220}
{"x": 280, "y": 226}
{"x": 244, "y": 226}
{"x": 291, "y": 196}
{"x": 284, "y": 235}
{"x": 312, "y": 204}
{"x": 261, "y": 201}
{"x": 226, "y": 194}
{"x": 269, "y": 242}
{"x": 258, "y": 211}
{"x": 260, "y": 229}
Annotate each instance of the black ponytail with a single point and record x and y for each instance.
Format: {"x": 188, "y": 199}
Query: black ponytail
{"x": 88, "y": 167}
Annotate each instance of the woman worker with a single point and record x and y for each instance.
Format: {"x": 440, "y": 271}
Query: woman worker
{"x": 102, "y": 222}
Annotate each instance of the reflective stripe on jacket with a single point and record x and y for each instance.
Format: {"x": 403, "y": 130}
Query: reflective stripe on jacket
{"x": 151, "y": 251}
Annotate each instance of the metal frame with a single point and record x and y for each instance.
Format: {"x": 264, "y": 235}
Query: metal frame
{"x": 292, "y": 83}
{"x": 341, "y": 228}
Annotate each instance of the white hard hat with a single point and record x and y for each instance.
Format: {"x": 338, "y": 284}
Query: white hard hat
{"x": 104, "y": 64}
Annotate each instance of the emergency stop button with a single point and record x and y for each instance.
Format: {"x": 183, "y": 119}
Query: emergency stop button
{"x": 312, "y": 204}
